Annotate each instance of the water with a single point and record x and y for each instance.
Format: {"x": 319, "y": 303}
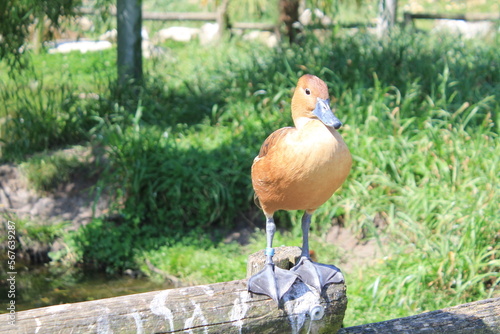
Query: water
{"x": 45, "y": 285}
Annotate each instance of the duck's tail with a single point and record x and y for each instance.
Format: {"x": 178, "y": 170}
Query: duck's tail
{"x": 257, "y": 201}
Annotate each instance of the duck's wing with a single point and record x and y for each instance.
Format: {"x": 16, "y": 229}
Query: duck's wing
{"x": 273, "y": 139}
{"x": 258, "y": 172}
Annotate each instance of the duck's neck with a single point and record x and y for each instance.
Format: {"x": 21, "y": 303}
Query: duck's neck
{"x": 300, "y": 122}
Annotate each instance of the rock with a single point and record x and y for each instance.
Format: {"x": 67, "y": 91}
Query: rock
{"x": 82, "y": 46}
{"x": 179, "y": 34}
{"x": 149, "y": 50}
{"x": 110, "y": 36}
{"x": 268, "y": 38}
{"x": 84, "y": 23}
{"x": 465, "y": 29}
{"x": 144, "y": 34}
{"x": 208, "y": 33}
{"x": 309, "y": 17}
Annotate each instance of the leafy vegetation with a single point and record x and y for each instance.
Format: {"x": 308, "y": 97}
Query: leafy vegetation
{"x": 16, "y": 16}
{"x": 421, "y": 120}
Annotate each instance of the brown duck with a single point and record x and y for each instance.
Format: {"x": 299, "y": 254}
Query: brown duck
{"x": 299, "y": 168}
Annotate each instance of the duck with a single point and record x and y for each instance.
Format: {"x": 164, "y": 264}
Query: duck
{"x": 299, "y": 168}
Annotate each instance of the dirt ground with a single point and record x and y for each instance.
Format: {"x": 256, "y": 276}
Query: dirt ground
{"x": 72, "y": 202}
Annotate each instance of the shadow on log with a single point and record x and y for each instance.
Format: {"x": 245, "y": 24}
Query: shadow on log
{"x": 215, "y": 308}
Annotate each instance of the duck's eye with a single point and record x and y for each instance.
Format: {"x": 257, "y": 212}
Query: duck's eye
{"x": 308, "y": 91}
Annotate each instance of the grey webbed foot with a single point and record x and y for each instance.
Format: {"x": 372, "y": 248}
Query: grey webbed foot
{"x": 272, "y": 281}
{"x": 317, "y": 275}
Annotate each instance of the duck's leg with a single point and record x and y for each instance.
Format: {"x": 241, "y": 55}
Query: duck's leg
{"x": 314, "y": 274}
{"x": 272, "y": 280}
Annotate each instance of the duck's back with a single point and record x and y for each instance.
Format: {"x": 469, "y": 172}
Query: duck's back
{"x": 300, "y": 169}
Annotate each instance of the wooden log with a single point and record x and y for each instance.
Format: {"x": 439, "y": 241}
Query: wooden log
{"x": 284, "y": 257}
{"x": 215, "y": 308}
{"x": 481, "y": 317}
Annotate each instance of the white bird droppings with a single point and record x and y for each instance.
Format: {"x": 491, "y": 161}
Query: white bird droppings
{"x": 298, "y": 303}
{"x": 239, "y": 310}
{"x": 159, "y": 308}
{"x": 38, "y": 325}
{"x": 138, "y": 322}
{"x": 197, "y": 313}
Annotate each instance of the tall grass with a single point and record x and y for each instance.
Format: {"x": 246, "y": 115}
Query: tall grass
{"x": 432, "y": 179}
{"x": 50, "y": 104}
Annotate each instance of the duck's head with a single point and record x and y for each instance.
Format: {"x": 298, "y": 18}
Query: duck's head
{"x": 311, "y": 101}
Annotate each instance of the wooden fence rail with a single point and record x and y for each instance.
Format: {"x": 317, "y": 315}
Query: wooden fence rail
{"x": 171, "y": 16}
{"x": 409, "y": 17}
{"x": 229, "y": 308}
{"x": 481, "y": 317}
{"x": 220, "y": 17}
{"x": 215, "y": 308}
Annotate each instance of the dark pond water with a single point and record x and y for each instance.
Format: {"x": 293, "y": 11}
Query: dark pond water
{"x": 46, "y": 285}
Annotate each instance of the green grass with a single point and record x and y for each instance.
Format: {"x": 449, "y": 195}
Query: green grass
{"x": 421, "y": 121}
{"x": 46, "y": 171}
{"x": 56, "y": 98}
{"x": 32, "y": 234}
{"x": 196, "y": 261}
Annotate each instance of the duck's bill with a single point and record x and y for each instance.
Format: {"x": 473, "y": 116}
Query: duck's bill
{"x": 325, "y": 114}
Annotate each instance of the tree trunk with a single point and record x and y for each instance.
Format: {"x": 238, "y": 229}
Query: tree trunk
{"x": 129, "y": 22}
{"x": 289, "y": 14}
{"x": 387, "y": 11}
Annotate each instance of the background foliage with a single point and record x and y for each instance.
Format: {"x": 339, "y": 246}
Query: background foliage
{"x": 16, "y": 16}
{"x": 421, "y": 120}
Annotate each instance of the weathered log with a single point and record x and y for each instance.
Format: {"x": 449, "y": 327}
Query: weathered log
{"x": 481, "y": 317}
{"x": 284, "y": 257}
{"x": 215, "y": 308}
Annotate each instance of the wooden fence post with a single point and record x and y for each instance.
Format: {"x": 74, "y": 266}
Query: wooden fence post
{"x": 407, "y": 19}
{"x": 223, "y": 19}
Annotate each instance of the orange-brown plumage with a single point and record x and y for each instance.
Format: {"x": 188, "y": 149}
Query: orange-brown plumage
{"x": 299, "y": 168}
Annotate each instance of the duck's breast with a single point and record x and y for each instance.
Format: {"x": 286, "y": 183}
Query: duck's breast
{"x": 302, "y": 170}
